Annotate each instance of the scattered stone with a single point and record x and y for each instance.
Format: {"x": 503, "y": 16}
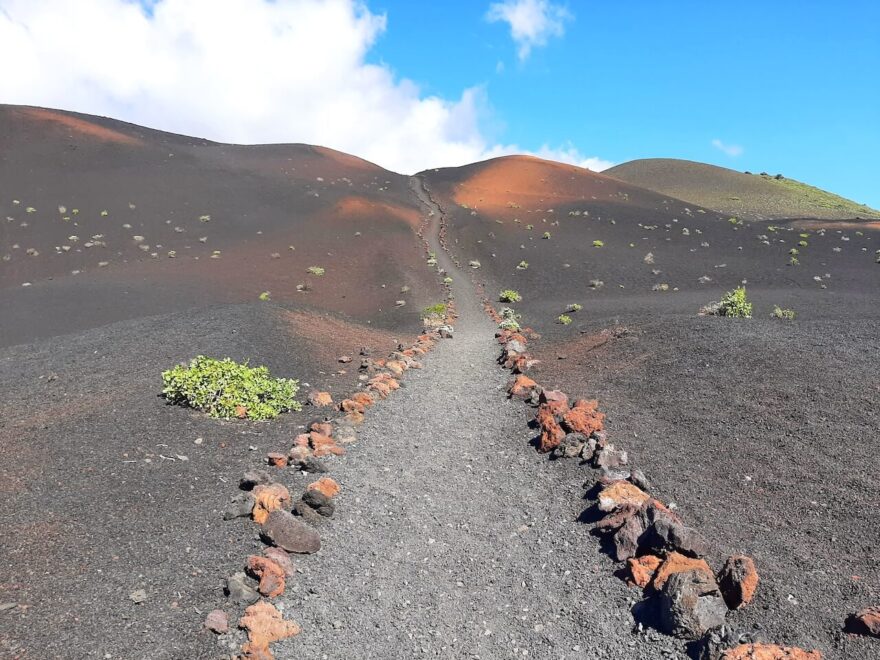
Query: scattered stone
{"x": 313, "y": 466}
{"x": 769, "y": 652}
{"x": 270, "y": 575}
{"x": 551, "y": 435}
{"x": 619, "y": 494}
{"x": 326, "y": 486}
{"x": 345, "y": 434}
{"x": 137, "y": 596}
{"x": 240, "y": 591}
{"x": 319, "y": 502}
{"x": 291, "y": 534}
{"x": 240, "y": 506}
{"x": 276, "y": 460}
{"x": 264, "y": 626}
{"x": 217, "y": 622}
{"x": 254, "y": 478}
{"x": 642, "y": 569}
{"x": 354, "y": 419}
{"x": 349, "y": 405}
{"x": 363, "y": 398}
{"x": 324, "y": 428}
{"x": 282, "y": 558}
{"x": 344, "y": 359}
{"x": 269, "y": 498}
{"x": 298, "y": 454}
{"x": 320, "y": 399}
{"x": 678, "y": 563}
{"x": 864, "y": 622}
{"x": 738, "y": 580}
{"x": 717, "y": 640}
{"x": 515, "y": 346}
{"x": 556, "y": 401}
{"x": 571, "y": 446}
{"x": 691, "y": 604}
{"x": 446, "y": 331}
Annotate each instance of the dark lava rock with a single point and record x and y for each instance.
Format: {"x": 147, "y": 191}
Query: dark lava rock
{"x": 690, "y": 604}
{"x": 239, "y": 507}
{"x": 253, "y": 478}
{"x": 717, "y": 640}
{"x": 319, "y": 502}
{"x": 570, "y": 446}
{"x": 308, "y": 514}
{"x": 291, "y": 533}
{"x": 240, "y": 591}
{"x": 865, "y": 622}
{"x": 738, "y": 580}
{"x": 217, "y": 621}
{"x": 313, "y": 465}
{"x": 638, "y": 478}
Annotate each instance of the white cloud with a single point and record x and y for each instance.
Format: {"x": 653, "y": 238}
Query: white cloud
{"x": 732, "y": 150}
{"x": 532, "y": 22}
{"x": 243, "y": 71}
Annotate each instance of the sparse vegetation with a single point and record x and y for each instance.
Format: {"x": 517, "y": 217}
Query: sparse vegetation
{"x": 564, "y": 319}
{"x": 734, "y": 304}
{"x": 436, "y": 312}
{"x": 317, "y": 271}
{"x": 509, "y": 296}
{"x": 546, "y": 235}
{"x": 522, "y": 265}
{"x": 509, "y": 320}
{"x": 783, "y": 314}
{"x": 574, "y": 307}
{"x": 265, "y": 296}
{"x": 225, "y": 389}
{"x": 598, "y": 244}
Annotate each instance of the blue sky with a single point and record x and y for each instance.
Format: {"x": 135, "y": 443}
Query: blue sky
{"x": 796, "y": 85}
{"x": 787, "y": 86}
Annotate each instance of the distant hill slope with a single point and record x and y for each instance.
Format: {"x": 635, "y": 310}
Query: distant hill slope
{"x": 752, "y": 196}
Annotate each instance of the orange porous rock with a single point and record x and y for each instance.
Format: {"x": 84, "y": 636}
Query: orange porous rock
{"x": 270, "y": 574}
{"x": 326, "y": 486}
{"x": 769, "y": 652}
{"x": 264, "y": 626}
{"x": 320, "y": 399}
{"x": 642, "y": 569}
{"x": 363, "y": 398}
{"x": 522, "y": 387}
{"x": 678, "y": 563}
{"x": 620, "y": 494}
{"x": 268, "y": 498}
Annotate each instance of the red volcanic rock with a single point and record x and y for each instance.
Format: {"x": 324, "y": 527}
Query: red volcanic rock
{"x": 270, "y": 574}
{"x": 276, "y": 460}
{"x": 769, "y": 652}
{"x": 325, "y": 485}
{"x": 522, "y": 387}
{"x": 298, "y": 454}
{"x": 551, "y": 435}
{"x": 320, "y": 399}
{"x": 354, "y": 418}
{"x": 324, "y": 428}
{"x": 556, "y": 400}
{"x": 282, "y": 558}
{"x": 302, "y": 440}
{"x": 324, "y": 445}
{"x": 396, "y": 367}
{"x": 268, "y": 498}
{"x": 865, "y": 622}
{"x": 620, "y": 494}
{"x": 363, "y": 398}
{"x": 738, "y": 580}
{"x": 217, "y": 621}
{"x": 264, "y": 626}
{"x": 642, "y": 569}
{"x": 584, "y": 417}
{"x": 349, "y": 405}
{"x": 677, "y": 563}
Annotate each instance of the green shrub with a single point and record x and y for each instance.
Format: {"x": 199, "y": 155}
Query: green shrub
{"x": 803, "y": 243}
{"x": 598, "y": 244}
{"x": 784, "y": 314}
{"x": 522, "y": 265}
{"x": 437, "y": 311}
{"x": 317, "y": 271}
{"x": 546, "y": 235}
{"x": 265, "y": 296}
{"x": 564, "y": 319}
{"x": 509, "y": 320}
{"x": 735, "y": 304}
{"x": 224, "y": 389}
{"x": 574, "y": 307}
{"x": 447, "y": 280}
{"x": 509, "y": 296}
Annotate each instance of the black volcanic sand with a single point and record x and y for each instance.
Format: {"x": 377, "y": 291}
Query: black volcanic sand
{"x": 92, "y": 510}
{"x": 761, "y": 431}
{"x": 105, "y": 221}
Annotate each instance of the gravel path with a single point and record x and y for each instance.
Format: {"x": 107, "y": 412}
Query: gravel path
{"x": 453, "y": 538}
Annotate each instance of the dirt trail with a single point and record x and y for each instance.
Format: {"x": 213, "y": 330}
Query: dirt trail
{"x": 453, "y": 538}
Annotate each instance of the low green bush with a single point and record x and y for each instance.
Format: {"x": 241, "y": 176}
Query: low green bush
{"x": 735, "y": 304}
{"x": 225, "y": 389}
{"x": 509, "y": 296}
{"x": 437, "y": 311}
{"x": 784, "y": 314}
{"x": 564, "y": 319}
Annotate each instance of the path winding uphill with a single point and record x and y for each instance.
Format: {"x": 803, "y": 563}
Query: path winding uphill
{"x": 453, "y": 538}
